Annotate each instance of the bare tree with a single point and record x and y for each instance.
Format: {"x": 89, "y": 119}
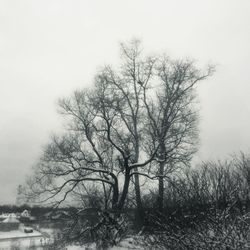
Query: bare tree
{"x": 172, "y": 116}
{"x": 137, "y": 120}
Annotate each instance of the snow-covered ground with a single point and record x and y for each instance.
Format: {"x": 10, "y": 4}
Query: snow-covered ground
{"x": 18, "y": 239}
{"x": 18, "y": 234}
{"x": 127, "y": 244}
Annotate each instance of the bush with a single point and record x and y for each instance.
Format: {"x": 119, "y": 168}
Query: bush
{"x": 219, "y": 232}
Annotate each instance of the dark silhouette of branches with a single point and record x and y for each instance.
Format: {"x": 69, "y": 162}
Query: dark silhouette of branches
{"x": 136, "y": 121}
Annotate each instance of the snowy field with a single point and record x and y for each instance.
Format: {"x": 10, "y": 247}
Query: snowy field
{"x": 18, "y": 239}
{"x": 126, "y": 244}
{"x": 18, "y": 234}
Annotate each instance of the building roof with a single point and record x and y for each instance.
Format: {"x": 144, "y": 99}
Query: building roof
{"x": 11, "y": 220}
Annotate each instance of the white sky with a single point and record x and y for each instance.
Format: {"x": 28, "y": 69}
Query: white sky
{"x": 48, "y": 48}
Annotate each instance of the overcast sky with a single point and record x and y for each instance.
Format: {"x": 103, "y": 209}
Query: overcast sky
{"x": 48, "y": 48}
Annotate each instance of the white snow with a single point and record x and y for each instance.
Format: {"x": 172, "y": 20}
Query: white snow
{"x": 18, "y": 239}
{"x": 123, "y": 245}
{"x": 18, "y": 234}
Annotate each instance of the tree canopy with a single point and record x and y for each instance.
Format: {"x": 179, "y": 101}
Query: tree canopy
{"x": 139, "y": 119}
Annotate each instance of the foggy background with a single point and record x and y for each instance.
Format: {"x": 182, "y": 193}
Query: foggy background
{"x": 50, "y": 48}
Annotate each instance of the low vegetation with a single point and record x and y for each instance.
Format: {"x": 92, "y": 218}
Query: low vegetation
{"x": 206, "y": 208}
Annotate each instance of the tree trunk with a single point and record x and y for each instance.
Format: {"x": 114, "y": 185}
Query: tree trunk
{"x": 138, "y": 191}
{"x": 140, "y": 211}
{"x": 137, "y": 178}
{"x": 124, "y": 190}
{"x": 161, "y": 187}
{"x": 115, "y": 196}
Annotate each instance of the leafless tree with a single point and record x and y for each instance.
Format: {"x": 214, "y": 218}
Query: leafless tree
{"x": 138, "y": 120}
{"x": 172, "y": 116}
